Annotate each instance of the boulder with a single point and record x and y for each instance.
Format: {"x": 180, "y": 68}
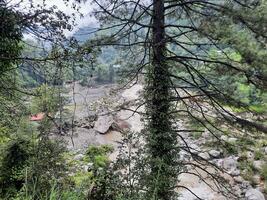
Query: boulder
{"x": 224, "y": 138}
{"x": 204, "y": 155}
{"x": 258, "y": 164}
{"x": 245, "y": 185}
{"x": 250, "y": 155}
{"x": 238, "y": 179}
{"x": 103, "y": 123}
{"x": 194, "y": 148}
{"x": 230, "y": 164}
{"x": 253, "y": 194}
{"x": 235, "y": 172}
{"x": 214, "y": 153}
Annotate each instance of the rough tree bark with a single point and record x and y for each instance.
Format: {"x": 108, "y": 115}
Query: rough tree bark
{"x": 160, "y": 138}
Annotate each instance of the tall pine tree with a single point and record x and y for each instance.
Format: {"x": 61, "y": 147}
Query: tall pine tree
{"x": 176, "y": 44}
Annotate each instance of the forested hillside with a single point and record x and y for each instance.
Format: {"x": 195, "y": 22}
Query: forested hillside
{"x": 153, "y": 100}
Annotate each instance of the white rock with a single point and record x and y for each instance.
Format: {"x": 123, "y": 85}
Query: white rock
{"x": 88, "y": 167}
{"x": 232, "y": 140}
{"x": 265, "y": 150}
{"x": 235, "y": 172}
{"x": 224, "y": 138}
{"x": 103, "y": 123}
{"x": 245, "y": 185}
{"x": 230, "y": 163}
{"x": 258, "y": 164}
{"x": 253, "y": 194}
{"x": 215, "y": 153}
{"x": 78, "y": 157}
{"x": 250, "y": 155}
{"x": 194, "y": 148}
{"x": 238, "y": 179}
{"x": 204, "y": 155}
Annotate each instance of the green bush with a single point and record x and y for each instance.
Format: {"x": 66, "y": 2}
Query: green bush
{"x": 231, "y": 149}
{"x": 248, "y": 170}
{"x": 73, "y": 195}
{"x": 101, "y": 179}
{"x": 98, "y": 155}
{"x": 102, "y": 150}
{"x": 263, "y": 172}
{"x": 4, "y": 135}
{"x": 31, "y": 169}
{"x": 81, "y": 179}
{"x": 101, "y": 161}
{"x": 55, "y": 193}
{"x": 13, "y": 164}
{"x": 258, "y": 155}
{"x": 47, "y": 166}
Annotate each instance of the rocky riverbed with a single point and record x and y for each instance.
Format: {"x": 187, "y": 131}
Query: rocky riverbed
{"x": 99, "y": 120}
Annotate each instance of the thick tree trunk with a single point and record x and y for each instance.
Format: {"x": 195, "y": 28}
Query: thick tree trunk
{"x": 160, "y": 136}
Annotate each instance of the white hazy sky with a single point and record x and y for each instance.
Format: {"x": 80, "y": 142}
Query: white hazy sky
{"x": 85, "y": 8}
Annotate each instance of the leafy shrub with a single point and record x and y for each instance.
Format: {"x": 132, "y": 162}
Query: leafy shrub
{"x": 73, "y": 195}
{"x": 14, "y": 161}
{"x": 55, "y": 193}
{"x": 47, "y": 166}
{"x": 31, "y": 169}
{"x": 263, "y": 172}
{"x": 248, "y": 170}
{"x": 82, "y": 178}
{"x": 4, "y": 135}
{"x": 98, "y": 155}
{"x": 102, "y": 176}
{"x": 231, "y": 149}
{"x": 258, "y": 155}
